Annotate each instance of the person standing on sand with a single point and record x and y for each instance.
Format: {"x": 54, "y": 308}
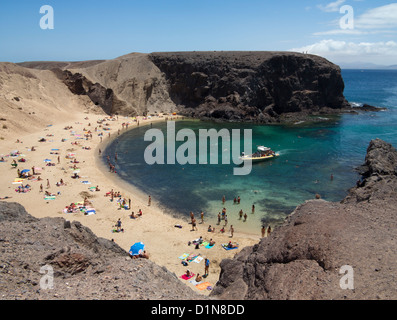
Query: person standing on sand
{"x": 231, "y": 231}
{"x": 118, "y": 224}
{"x": 269, "y": 231}
{"x": 194, "y": 227}
{"x": 48, "y": 184}
{"x": 207, "y": 266}
{"x": 202, "y": 217}
{"x": 150, "y": 201}
{"x": 225, "y": 220}
{"x": 263, "y": 231}
{"x": 219, "y": 218}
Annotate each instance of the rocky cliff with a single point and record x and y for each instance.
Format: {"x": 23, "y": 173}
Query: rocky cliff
{"x": 253, "y": 86}
{"x": 235, "y": 86}
{"x": 305, "y": 256}
{"x": 84, "y": 266}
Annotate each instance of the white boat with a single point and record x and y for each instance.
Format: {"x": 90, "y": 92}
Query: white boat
{"x": 263, "y": 153}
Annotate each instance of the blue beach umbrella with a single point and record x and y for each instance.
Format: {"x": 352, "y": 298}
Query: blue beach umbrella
{"x": 137, "y": 249}
{"x": 25, "y": 170}
{"x": 47, "y": 160}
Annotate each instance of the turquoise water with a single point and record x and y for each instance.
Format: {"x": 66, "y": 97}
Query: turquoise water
{"x": 309, "y": 154}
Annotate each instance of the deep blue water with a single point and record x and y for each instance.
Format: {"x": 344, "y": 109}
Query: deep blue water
{"x": 309, "y": 154}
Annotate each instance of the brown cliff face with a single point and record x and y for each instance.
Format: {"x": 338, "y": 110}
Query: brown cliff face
{"x": 302, "y": 258}
{"x": 253, "y": 86}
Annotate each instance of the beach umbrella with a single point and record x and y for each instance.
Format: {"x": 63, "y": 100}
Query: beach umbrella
{"x": 25, "y": 170}
{"x": 137, "y": 249}
{"x": 47, "y": 160}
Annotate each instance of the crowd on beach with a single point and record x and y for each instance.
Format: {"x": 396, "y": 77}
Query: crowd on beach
{"x": 70, "y": 166}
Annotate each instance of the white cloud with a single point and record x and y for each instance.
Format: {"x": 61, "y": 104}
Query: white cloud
{"x": 376, "y": 52}
{"x": 341, "y": 32}
{"x": 381, "y": 17}
{"x": 374, "y": 21}
{"x": 332, "y": 7}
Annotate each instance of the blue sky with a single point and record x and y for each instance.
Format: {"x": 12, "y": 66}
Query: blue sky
{"x": 87, "y": 29}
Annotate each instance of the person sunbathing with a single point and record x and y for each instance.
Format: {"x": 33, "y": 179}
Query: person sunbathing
{"x": 144, "y": 255}
{"x": 198, "y": 277}
{"x": 230, "y": 245}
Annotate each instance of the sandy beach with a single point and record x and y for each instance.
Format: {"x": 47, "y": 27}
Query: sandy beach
{"x": 164, "y": 242}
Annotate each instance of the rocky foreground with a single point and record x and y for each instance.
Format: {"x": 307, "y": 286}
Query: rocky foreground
{"x": 84, "y": 266}
{"x": 302, "y": 259}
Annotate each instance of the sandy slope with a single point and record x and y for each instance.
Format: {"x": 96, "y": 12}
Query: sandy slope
{"x": 31, "y": 99}
{"x": 134, "y": 79}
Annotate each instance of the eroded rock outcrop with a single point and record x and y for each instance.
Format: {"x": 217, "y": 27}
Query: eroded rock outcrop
{"x": 302, "y": 258}
{"x": 251, "y": 86}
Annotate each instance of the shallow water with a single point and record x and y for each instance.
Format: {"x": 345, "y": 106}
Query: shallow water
{"x": 309, "y": 154}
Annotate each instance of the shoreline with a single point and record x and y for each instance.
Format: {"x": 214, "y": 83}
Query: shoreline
{"x": 133, "y": 189}
{"x": 164, "y": 242}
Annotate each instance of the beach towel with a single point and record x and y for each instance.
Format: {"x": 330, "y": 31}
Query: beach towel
{"x": 198, "y": 259}
{"x": 191, "y": 258}
{"x": 208, "y": 246}
{"x": 184, "y": 277}
{"x": 194, "y": 282}
{"x": 49, "y": 198}
{"x": 203, "y": 286}
{"x": 90, "y": 212}
{"x": 86, "y": 182}
{"x": 224, "y": 246}
{"x": 184, "y": 256}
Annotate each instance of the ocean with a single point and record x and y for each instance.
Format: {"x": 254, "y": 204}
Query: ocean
{"x": 309, "y": 154}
